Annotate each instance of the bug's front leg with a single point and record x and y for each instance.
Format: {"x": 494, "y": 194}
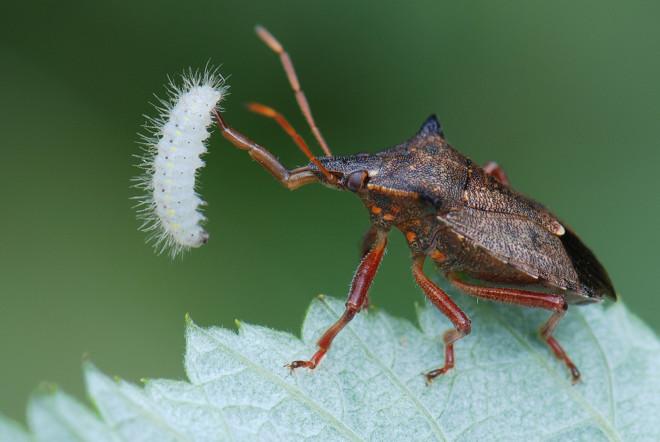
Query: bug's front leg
{"x": 356, "y": 299}
{"x": 445, "y": 304}
{"x": 291, "y": 179}
{"x": 368, "y": 241}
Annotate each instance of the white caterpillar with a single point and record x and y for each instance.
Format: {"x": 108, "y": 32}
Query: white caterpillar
{"x": 172, "y": 149}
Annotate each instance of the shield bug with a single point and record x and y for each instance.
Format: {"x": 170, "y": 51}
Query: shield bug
{"x": 488, "y": 240}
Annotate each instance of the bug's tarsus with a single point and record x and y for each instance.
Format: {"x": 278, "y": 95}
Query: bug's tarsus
{"x": 445, "y": 304}
{"x": 357, "y": 300}
{"x": 269, "y": 112}
{"x": 287, "y": 64}
{"x": 547, "y": 301}
{"x": 291, "y": 179}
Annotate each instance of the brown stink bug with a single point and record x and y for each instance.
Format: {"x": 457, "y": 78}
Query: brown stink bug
{"x": 487, "y": 239}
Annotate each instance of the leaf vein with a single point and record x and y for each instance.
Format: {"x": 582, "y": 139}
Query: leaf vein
{"x": 295, "y": 392}
{"x": 395, "y": 379}
{"x": 563, "y": 385}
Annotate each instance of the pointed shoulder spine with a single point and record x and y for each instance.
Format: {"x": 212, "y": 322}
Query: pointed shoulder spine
{"x": 431, "y": 126}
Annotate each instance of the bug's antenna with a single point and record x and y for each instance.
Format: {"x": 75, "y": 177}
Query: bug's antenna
{"x": 269, "y": 112}
{"x": 287, "y": 64}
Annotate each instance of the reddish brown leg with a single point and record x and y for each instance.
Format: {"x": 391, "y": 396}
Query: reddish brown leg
{"x": 356, "y": 300}
{"x": 368, "y": 241}
{"x": 276, "y": 47}
{"x": 444, "y": 303}
{"x": 555, "y": 303}
{"x": 493, "y": 169}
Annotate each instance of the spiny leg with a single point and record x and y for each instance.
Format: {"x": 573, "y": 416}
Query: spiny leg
{"x": 555, "y": 303}
{"x": 444, "y": 303}
{"x": 356, "y": 300}
{"x": 495, "y": 170}
{"x": 276, "y": 47}
{"x": 291, "y": 179}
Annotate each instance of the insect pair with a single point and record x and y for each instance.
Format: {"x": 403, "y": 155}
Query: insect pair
{"x": 488, "y": 240}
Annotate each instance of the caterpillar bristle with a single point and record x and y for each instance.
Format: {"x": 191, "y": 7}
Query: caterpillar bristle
{"x": 170, "y": 159}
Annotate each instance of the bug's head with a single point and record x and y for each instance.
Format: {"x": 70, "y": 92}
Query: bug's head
{"x": 398, "y": 172}
{"x": 351, "y": 173}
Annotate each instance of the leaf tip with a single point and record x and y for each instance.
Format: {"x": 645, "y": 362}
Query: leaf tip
{"x": 188, "y": 319}
{"x": 238, "y": 323}
{"x": 88, "y": 366}
{"x": 45, "y": 389}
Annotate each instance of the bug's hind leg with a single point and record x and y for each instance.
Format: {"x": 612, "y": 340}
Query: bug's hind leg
{"x": 495, "y": 170}
{"x": 357, "y": 298}
{"x": 555, "y": 303}
{"x": 444, "y": 303}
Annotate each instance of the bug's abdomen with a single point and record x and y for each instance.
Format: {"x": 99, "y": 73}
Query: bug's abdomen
{"x": 455, "y": 253}
{"x": 502, "y": 236}
{"x": 503, "y": 248}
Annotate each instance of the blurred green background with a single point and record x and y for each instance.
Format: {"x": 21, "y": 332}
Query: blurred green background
{"x": 565, "y": 95}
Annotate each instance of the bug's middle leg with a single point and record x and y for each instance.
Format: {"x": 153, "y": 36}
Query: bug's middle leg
{"x": 555, "y": 303}
{"x": 445, "y": 304}
{"x": 357, "y": 299}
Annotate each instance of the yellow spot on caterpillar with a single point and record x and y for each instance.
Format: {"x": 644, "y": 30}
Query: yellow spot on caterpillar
{"x": 388, "y": 217}
{"x": 376, "y": 210}
{"x": 173, "y": 218}
{"x": 411, "y": 236}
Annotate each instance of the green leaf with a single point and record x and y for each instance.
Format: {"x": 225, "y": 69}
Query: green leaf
{"x": 506, "y": 385}
{"x": 12, "y": 431}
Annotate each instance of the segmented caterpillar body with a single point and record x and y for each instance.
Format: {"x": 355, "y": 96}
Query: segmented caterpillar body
{"x": 170, "y": 206}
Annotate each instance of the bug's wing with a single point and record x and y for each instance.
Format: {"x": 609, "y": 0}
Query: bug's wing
{"x": 528, "y": 247}
{"x": 591, "y": 273}
{"x": 485, "y": 193}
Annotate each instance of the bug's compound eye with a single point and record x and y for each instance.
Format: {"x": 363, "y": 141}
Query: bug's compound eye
{"x": 357, "y": 180}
